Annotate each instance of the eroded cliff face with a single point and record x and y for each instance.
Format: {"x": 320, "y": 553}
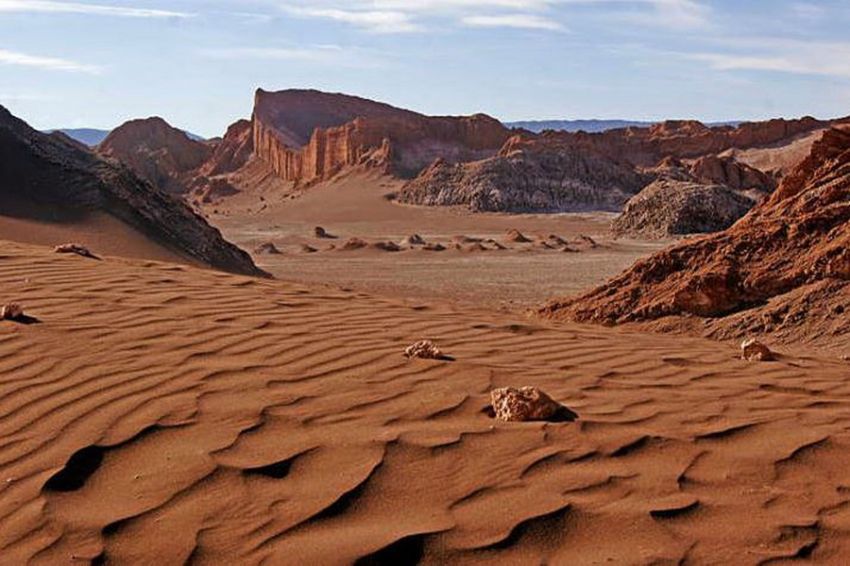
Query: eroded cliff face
{"x": 784, "y": 268}
{"x": 347, "y": 131}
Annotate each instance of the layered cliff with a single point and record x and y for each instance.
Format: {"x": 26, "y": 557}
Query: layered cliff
{"x": 784, "y": 268}
{"x": 544, "y": 173}
{"x": 157, "y": 152}
{"x": 309, "y": 135}
{"x": 51, "y": 175}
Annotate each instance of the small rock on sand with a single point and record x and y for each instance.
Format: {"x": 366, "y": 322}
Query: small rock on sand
{"x": 267, "y": 248}
{"x": 413, "y": 240}
{"x": 305, "y": 249}
{"x": 322, "y": 233}
{"x": 524, "y": 404}
{"x": 77, "y": 249}
{"x": 424, "y": 349}
{"x": 387, "y": 246}
{"x": 354, "y": 244}
{"x": 11, "y": 311}
{"x": 515, "y": 236}
{"x": 434, "y": 248}
{"x": 754, "y": 351}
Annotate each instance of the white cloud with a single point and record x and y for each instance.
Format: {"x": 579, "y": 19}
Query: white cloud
{"x": 785, "y": 56}
{"x": 56, "y": 7}
{"x": 522, "y": 21}
{"x": 379, "y": 21}
{"x": 45, "y": 63}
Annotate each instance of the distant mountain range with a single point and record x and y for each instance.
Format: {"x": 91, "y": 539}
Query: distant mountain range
{"x": 92, "y": 137}
{"x": 590, "y": 126}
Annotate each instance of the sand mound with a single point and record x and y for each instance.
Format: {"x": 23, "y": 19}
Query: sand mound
{"x": 781, "y": 270}
{"x": 516, "y": 237}
{"x": 674, "y": 208}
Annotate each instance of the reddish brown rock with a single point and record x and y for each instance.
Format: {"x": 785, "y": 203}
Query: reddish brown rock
{"x": 783, "y": 263}
{"x": 523, "y": 404}
{"x": 754, "y": 351}
{"x": 11, "y": 311}
{"x": 515, "y": 236}
{"x": 309, "y": 135}
{"x": 728, "y": 172}
{"x": 424, "y": 349}
{"x": 157, "y": 152}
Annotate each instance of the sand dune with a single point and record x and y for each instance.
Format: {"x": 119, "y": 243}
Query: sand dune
{"x": 162, "y": 414}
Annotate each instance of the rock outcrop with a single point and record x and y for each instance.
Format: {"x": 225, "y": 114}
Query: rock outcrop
{"x": 307, "y": 135}
{"x": 675, "y": 208}
{"x": 782, "y": 269}
{"x": 52, "y": 175}
{"x": 545, "y": 173}
{"x": 713, "y": 169}
{"x": 157, "y": 152}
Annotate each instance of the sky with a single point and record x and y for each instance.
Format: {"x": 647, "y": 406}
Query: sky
{"x": 197, "y": 63}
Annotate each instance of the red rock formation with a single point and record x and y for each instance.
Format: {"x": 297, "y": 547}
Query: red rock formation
{"x": 156, "y": 152}
{"x": 726, "y": 171}
{"x": 310, "y": 135}
{"x": 788, "y": 257}
{"x": 54, "y": 177}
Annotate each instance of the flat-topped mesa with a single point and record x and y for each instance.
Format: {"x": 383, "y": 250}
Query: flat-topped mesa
{"x": 156, "y": 151}
{"x": 306, "y": 135}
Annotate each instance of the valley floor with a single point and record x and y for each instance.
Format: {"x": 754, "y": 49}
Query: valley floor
{"x": 161, "y": 414}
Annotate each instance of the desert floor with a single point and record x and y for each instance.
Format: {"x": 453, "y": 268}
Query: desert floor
{"x": 152, "y": 413}
{"x": 524, "y": 275}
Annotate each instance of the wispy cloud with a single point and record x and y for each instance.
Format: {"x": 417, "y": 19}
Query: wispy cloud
{"x": 378, "y": 21}
{"x": 56, "y": 7}
{"x": 331, "y": 55}
{"x": 823, "y": 58}
{"x": 45, "y": 63}
{"x": 521, "y": 21}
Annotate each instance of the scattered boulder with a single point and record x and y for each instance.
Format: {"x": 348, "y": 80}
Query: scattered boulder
{"x": 754, "y": 351}
{"x": 516, "y": 237}
{"x": 354, "y": 244}
{"x": 77, "y": 249}
{"x": 587, "y": 241}
{"x": 267, "y": 248}
{"x": 465, "y": 239}
{"x": 11, "y": 311}
{"x": 305, "y": 249}
{"x": 387, "y": 246}
{"x": 434, "y": 248}
{"x": 413, "y": 240}
{"x": 526, "y": 404}
{"x": 323, "y": 234}
{"x": 424, "y": 349}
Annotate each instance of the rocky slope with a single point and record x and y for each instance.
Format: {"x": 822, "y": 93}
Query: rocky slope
{"x": 52, "y": 174}
{"x": 729, "y": 172}
{"x": 668, "y": 208}
{"x": 308, "y": 135}
{"x": 157, "y": 152}
{"x": 543, "y": 173}
{"x": 783, "y": 269}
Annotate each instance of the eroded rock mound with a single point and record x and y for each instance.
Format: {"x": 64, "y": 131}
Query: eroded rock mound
{"x": 754, "y": 351}
{"x": 671, "y": 208}
{"x": 713, "y": 169}
{"x": 11, "y": 311}
{"x": 774, "y": 271}
{"x": 547, "y": 173}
